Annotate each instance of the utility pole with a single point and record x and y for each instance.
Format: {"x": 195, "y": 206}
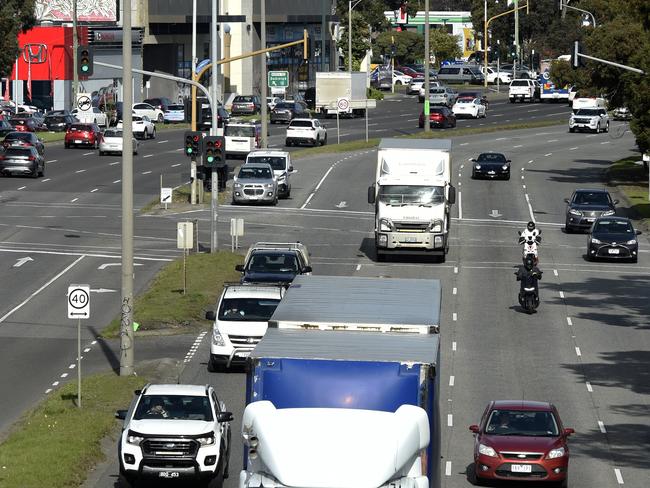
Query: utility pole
{"x": 214, "y": 54}
{"x": 194, "y": 109}
{"x": 516, "y": 61}
{"x": 75, "y": 44}
{"x": 427, "y": 58}
{"x": 265, "y": 122}
{"x": 322, "y": 34}
{"x": 126, "y": 324}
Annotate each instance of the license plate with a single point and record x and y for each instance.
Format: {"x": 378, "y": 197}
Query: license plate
{"x": 169, "y": 474}
{"x": 521, "y": 468}
{"x": 243, "y": 354}
{"x": 78, "y": 142}
{"x": 491, "y": 172}
{"x": 614, "y": 251}
{"x": 411, "y": 239}
{"x": 590, "y": 220}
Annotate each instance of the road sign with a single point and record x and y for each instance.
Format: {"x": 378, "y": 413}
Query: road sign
{"x": 84, "y": 103}
{"x": 343, "y": 104}
{"x": 79, "y": 301}
{"x": 278, "y": 79}
{"x": 185, "y": 235}
{"x": 165, "y": 195}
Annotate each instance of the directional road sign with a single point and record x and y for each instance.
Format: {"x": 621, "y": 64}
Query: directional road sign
{"x": 79, "y": 301}
{"x": 278, "y": 79}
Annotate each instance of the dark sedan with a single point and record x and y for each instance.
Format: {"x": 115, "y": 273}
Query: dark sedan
{"x": 491, "y": 165}
{"x": 613, "y": 238}
{"x": 22, "y": 161}
{"x": 585, "y": 206}
{"x": 439, "y": 117}
{"x": 285, "y": 112}
{"x": 59, "y": 123}
{"x": 26, "y": 123}
{"x": 23, "y": 139}
{"x": 5, "y": 128}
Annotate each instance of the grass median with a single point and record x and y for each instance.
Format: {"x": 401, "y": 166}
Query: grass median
{"x": 164, "y": 306}
{"x": 56, "y": 444}
{"x": 631, "y": 178}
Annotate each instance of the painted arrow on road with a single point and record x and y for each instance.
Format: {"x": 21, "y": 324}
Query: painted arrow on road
{"x": 341, "y": 205}
{"x": 106, "y": 265}
{"x": 495, "y": 214}
{"x": 22, "y": 261}
{"x": 102, "y": 290}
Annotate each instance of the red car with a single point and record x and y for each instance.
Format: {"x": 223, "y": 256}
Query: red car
{"x": 82, "y": 135}
{"x": 522, "y": 440}
{"x": 410, "y": 72}
{"x": 439, "y": 117}
{"x": 22, "y": 123}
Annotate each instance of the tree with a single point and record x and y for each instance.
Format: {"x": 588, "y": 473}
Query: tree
{"x": 443, "y": 46}
{"x": 360, "y": 40}
{"x": 16, "y": 16}
{"x": 409, "y": 46}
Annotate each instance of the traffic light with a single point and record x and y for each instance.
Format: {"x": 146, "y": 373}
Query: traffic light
{"x": 193, "y": 143}
{"x": 85, "y": 61}
{"x": 214, "y": 153}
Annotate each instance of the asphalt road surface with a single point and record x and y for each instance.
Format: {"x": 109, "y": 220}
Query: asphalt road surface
{"x": 586, "y": 349}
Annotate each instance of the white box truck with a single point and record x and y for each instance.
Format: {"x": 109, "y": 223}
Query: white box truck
{"x": 412, "y": 195}
{"x": 331, "y": 87}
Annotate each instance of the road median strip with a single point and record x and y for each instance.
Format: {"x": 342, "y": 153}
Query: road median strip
{"x": 631, "y": 178}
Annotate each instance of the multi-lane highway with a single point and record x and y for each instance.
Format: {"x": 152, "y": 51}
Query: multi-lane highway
{"x": 586, "y": 349}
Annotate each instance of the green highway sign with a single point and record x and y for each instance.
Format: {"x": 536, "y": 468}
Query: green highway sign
{"x": 278, "y": 79}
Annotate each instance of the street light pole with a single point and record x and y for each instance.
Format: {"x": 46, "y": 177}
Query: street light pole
{"x": 350, "y": 8}
{"x": 264, "y": 108}
{"x": 214, "y": 54}
{"x": 193, "y": 185}
{"x": 514, "y": 67}
{"x": 75, "y": 44}
{"x": 427, "y": 59}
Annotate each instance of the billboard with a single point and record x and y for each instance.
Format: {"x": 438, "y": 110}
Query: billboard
{"x": 87, "y": 10}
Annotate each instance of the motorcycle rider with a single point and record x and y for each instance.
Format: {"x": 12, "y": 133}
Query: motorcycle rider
{"x": 529, "y": 275}
{"x": 530, "y": 237}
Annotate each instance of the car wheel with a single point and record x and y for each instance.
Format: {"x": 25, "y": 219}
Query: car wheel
{"x": 41, "y": 173}
{"x": 567, "y": 229}
{"x": 287, "y": 143}
{"x": 571, "y": 129}
{"x": 324, "y": 141}
{"x": 507, "y": 177}
{"x": 316, "y": 141}
{"x": 160, "y": 118}
{"x": 101, "y": 153}
{"x": 473, "y": 175}
{"x": 635, "y": 259}
{"x": 66, "y": 145}
{"x": 127, "y": 481}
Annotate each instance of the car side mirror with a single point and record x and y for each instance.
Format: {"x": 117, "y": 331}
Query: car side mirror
{"x": 474, "y": 429}
{"x": 508, "y": 160}
{"x": 137, "y": 392}
{"x": 291, "y": 170}
{"x": 615, "y": 202}
{"x": 120, "y": 414}
{"x": 566, "y": 200}
{"x": 307, "y": 269}
{"x": 210, "y": 315}
{"x": 224, "y": 417}
{"x": 568, "y": 432}
{"x": 452, "y": 195}
{"x": 239, "y": 267}
{"x": 371, "y": 194}
{"x": 638, "y": 232}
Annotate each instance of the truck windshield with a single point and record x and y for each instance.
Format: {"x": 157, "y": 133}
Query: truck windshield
{"x": 411, "y": 195}
{"x": 247, "y": 309}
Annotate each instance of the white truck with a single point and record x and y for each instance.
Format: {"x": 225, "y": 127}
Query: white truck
{"x": 331, "y": 87}
{"x": 412, "y": 195}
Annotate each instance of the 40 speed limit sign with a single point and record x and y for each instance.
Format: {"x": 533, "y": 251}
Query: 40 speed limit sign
{"x": 79, "y": 301}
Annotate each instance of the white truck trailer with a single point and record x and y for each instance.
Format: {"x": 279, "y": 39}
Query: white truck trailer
{"x": 331, "y": 87}
{"x": 412, "y": 195}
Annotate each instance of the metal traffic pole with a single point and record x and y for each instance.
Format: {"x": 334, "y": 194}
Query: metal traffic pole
{"x": 193, "y": 109}
{"x": 427, "y": 76}
{"x": 214, "y": 202}
{"x": 264, "y": 108}
{"x": 75, "y": 44}
{"x": 126, "y": 324}
{"x": 79, "y": 363}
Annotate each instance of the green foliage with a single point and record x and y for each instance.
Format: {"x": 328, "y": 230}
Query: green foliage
{"x": 360, "y": 40}
{"x": 15, "y": 16}
{"x": 374, "y": 93}
{"x": 563, "y": 74}
{"x": 409, "y": 46}
{"x": 443, "y": 46}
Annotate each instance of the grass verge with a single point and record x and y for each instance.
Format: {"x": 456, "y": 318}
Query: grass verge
{"x": 433, "y": 134}
{"x": 632, "y": 180}
{"x": 51, "y": 136}
{"x": 57, "y": 443}
{"x": 163, "y": 305}
{"x": 183, "y": 194}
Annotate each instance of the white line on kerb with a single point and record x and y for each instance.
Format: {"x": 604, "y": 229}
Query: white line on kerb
{"x": 561, "y": 294}
{"x": 453, "y": 346}
{"x": 578, "y": 352}
{"x": 452, "y": 379}
{"x": 601, "y": 426}
{"x": 56, "y": 277}
{"x": 619, "y": 476}
{"x": 64, "y": 375}
{"x": 548, "y": 154}
{"x": 74, "y": 200}
{"x": 589, "y": 388}
{"x": 569, "y": 321}
{"x": 555, "y": 272}
{"x": 448, "y": 468}
{"x": 454, "y": 316}
{"x": 450, "y": 420}
{"x": 454, "y": 291}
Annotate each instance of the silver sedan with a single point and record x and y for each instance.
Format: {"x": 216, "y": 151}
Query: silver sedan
{"x": 112, "y": 142}
{"x": 255, "y": 183}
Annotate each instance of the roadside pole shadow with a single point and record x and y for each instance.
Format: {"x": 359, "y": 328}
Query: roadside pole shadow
{"x": 109, "y": 354}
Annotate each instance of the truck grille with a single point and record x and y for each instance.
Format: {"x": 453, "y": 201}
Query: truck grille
{"x": 582, "y": 121}
{"x": 411, "y": 226}
{"x": 240, "y": 340}
{"x": 170, "y": 447}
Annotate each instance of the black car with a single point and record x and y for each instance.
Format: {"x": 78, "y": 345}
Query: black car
{"x": 57, "y": 112}
{"x": 59, "y": 123}
{"x": 273, "y": 266}
{"x": 287, "y": 111}
{"x": 162, "y": 103}
{"x": 17, "y": 160}
{"x": 613, "y": 238}
{"x": 246, "y": 105}
{"x": 5, "y": 127}
{"x": 23, "y": 139}
{"x": 585, "y": 206}
{"x": 491, "y": 165}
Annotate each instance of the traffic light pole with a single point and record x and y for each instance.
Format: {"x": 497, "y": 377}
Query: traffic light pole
{"x": 214, "y": 201}
{"x": 75, "y": 44}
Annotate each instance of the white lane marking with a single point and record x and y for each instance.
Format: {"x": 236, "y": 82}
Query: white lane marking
{"x": 174, "y": 165}
{"x": 411, "y": 120}
{"x": 530, "y": 207}
{"x": 569, "y": 321}
{"x": 552, "y": 140}
{"x": 578, "y": 352}
{"x": 462, "y": 166}
{"x": 87, "y": 349}
{"x": 117, "y": 181}
{"x": 573, "y": 148}
{"x": 454, "y": 291}
{"x": 454, "y": 316}
{"x": 48, "y": 391}
{"x": 453, "y": 346}
{"x": 22, "y": 187}
{"x": 307, "y": 201}
{"x": 94, "y": 190}
{"x": 46, "y": 179}
{"x": 601, "y": 426}
{"x": 376, "y": 123}
{"x": 561, "y": 294}
{"x": 555, "y": 272}
{"x": 405, "y": 115}
{"x": 518, "y": 145}
{"x": 94, "y": 342}
{"x": 450, "y": 420}
{"x": 455, "y": 269}
{"x": 530, "y": 161}
{"x": 501, "y": 139}
{"x": 452, "y": 380}
{"x": 548, "y": 154}
{"x": 146, "y": 172}
{"x": 162, "y": 142}
{"x": 179, "y": 149}
{"x": 114, "y": 163}
{"x": 358, "y": 267}
{"x": 524, "y": 186}
{"x": 80, "y": 171}
{"x": 56, "y": 383}
{"x": 589, "y": 388}
{"x": 147, "y": 156}
{"x": 74, "y": 200}
{"x": 64, "y": 375}
{"x": 460, "y": 205}
{"x": 56, "y": 277}
{"x": 498, "y": 115}
{"x": 448, "y": 468}
{"x": 52, "y": 161}
{"x": 318, "y": 186}
{"x": 88, "y": 154}
{"x": 72, "y": 366}
{"x": 619, "y": 476}
{"x": 606, "y": 142}
{"x": 522, "y": 176}
{"x": 463, "y": 144}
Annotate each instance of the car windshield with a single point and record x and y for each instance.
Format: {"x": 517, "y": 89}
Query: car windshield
{"x": 284, "y": 106}
{"x": 522, "y": 423}
{"x": 243, "y": 100}
{"x": 411, "y": 195}
{"x": 254, "y": 173}
{"x": 613, "y": 227}
{"x": 173, "y": 407}
{"x": 137, "y": 118}
{"x": 587, "y": 198}
{"x": 300, "y": 123}
{"x": 247, "y": 309}
{"x": 437, "y": 91}
{"x": 278, "y": 163}
{"x": 15, "y": 151}
{"x": 588, "y": 111}
{"x": 491, "y": 158}
{"x": 239, "y": 131}
{"x": 18, "y": 136}
{"x": 112, "y": 133}
{"x": 273, "y": 262}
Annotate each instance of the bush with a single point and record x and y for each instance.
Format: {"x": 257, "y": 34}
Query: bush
{"x": 374, "y": 93}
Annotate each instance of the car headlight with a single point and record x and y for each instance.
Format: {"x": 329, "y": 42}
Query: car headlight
{"x": 504, "y": 167}
{"x": 385, "y": 225}
{"x": 208, "y": 440}
{"x": 595, "y": 241}
{"x": 237, "y": 185}
{"x": 435, "y": 226}
{"x": 486, "y": 450}
{"x": 217, "y": 338}
{"x": 607, "y": 213}
{"x": 269, "y": 185}
{"x": 573, "y": 211}
{"x": 134, "y": 438}
{"x": 477, "y": 166}
{"x": 555, "y": 453}
{"x": 631, "y": 242}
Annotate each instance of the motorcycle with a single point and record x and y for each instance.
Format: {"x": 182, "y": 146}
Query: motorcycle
{"x": 529, "y": 292}
{"x": 530, "y": 241}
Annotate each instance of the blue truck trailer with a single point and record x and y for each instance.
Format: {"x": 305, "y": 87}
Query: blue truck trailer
{"x": 331, "y": 409}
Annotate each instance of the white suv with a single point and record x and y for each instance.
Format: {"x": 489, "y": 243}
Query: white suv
{"x": 240, "y": 321}
{"x": 173, "y": 432}
{"x": 594, "y": 119}
{"x": 306, "y": 131}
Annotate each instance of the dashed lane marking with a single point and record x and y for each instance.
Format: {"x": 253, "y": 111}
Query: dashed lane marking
{"x": 46, "y": 179}
{"x": 601, "y": 426}
{"x": 448, "y": 468}
{"x": 452, "y": 380}
{"x": 572, "y": 148}
{"x": 146, "y": 172}
{"x": 74, "y": 200}
{"x": 148, "y": 156}
{"x": 94, "y": 190}
{"x": 589, "y": 388}
{"x": 518, "y": 145}
{"x": 450, "y": 420}
{"x": 64, "y": 375}
{"x": 88, "y": 154}
{"x": 548, "y": 154}
{"x": 454, "y": 291}
{"x": 22, "y": 187}
{"x": 174, "y": 165}
{"x": 555, "y": 272}
{"x": 453, "y": 346}
{"x": 578, "y": 352}
{"x": 463, "y": 144}
{"x": 117, "y": 181}
{"x": 569, "y": 321}
{"x": 561, "y": 294}
{"x": 605, "y": 142}
{"x": 454, "y": 316}
{"x": 358, "y": 267}
{"x": 52, "y": 161}
{"x": 113, "y": 163}
{"x": 80, "y": 171}
{"x": 619, "y": 476}
{"x": 162, "y": 142}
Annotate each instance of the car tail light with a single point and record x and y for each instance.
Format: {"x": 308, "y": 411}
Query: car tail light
{"x": 31, "y": 158}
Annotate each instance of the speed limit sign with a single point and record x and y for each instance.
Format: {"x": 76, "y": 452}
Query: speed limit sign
{"x": 79, "y": 301}
{"x": 343, "y": 104}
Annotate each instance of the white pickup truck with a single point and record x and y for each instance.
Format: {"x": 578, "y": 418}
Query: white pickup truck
{"x": 524, "y": 89}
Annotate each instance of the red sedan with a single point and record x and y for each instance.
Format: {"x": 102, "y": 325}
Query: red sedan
{"x": 439, "y": 117}
{"x": 522, "y": 440}
{"x": 82, "y": 135}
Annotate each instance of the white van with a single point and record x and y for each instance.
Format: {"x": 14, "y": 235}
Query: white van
{"x": 242, "y": 137}
{"x": 280, "y": 161}
{"x": 588, "y": 102}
